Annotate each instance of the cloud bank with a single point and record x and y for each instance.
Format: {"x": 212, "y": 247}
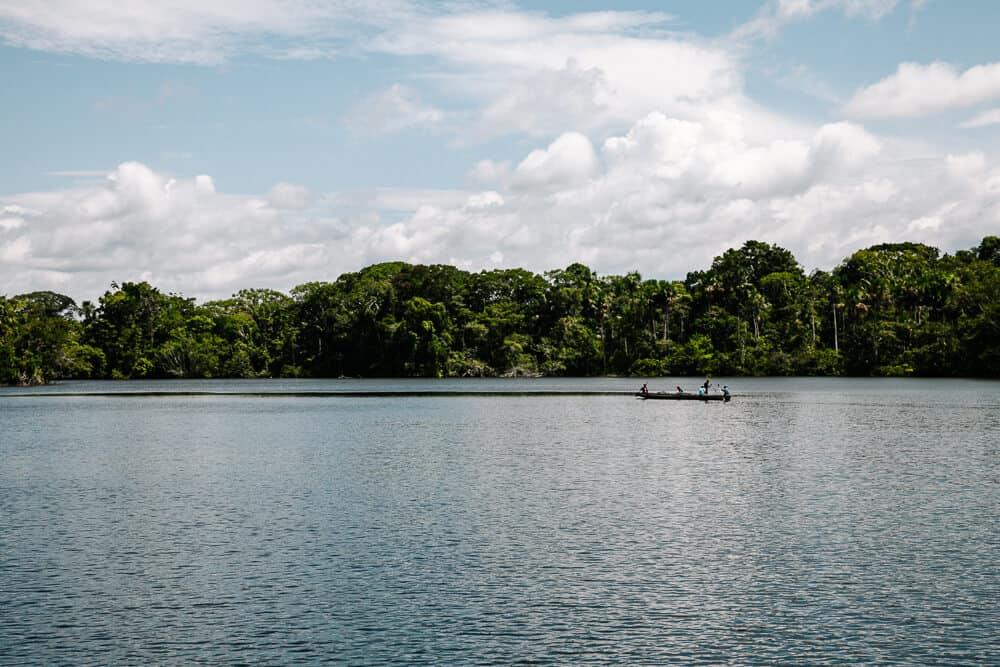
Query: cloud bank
{"x": 642, "y": 151}
{"x": 663, "y": 198}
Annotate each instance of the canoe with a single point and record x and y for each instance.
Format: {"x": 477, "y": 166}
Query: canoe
{"x": 677, "y": 396}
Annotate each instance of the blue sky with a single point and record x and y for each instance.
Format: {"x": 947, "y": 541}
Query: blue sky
{"x": 208, "y": 147}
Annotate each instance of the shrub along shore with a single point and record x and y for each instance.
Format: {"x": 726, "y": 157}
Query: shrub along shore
{"x": 889, "y": 310}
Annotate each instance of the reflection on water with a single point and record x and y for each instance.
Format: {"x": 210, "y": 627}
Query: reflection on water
{"x": 805, "y": 522}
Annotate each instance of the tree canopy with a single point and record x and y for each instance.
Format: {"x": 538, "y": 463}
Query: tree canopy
{"x": 891, "y": 309}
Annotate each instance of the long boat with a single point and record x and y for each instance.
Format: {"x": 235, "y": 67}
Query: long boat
{"x": 683, "y": 396}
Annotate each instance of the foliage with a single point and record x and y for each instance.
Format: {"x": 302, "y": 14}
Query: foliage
{"x": 891, "y": 309}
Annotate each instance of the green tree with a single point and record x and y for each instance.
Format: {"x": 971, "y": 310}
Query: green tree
{"x": 131, "y": 323}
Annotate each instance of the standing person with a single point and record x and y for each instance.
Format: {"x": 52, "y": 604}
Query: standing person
{"x": 708, "y": 383}
{"x": 644, "y": 390}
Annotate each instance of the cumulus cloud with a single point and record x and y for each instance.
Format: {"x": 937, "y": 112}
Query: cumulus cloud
{"x": 489, "y": 172}
{"x": 568, "y": 161}
{"x": 669, "y": 195}
{"x": 920, "y": 90}
{"x": 12, "y": 217}
{"x": 644, "y": 153}
{"x": 843, "y": 146}
{"x": 487, "y": 199}
{"x": 967, "y": 166}
{"x": 663, "y": 198}
{"x": 717, "y": 156}
{"x": 575, "y": 93}
{"x": 137, "y": 223}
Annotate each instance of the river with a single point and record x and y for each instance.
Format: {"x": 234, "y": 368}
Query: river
{"x": 552, "y": 521}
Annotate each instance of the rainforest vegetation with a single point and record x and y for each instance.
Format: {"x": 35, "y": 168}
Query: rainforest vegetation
{"x": 890, "y": 310}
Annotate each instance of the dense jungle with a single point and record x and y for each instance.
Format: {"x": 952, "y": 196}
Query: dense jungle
{"x": 894, "y": 309}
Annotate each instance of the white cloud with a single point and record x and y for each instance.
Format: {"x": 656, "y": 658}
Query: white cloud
{"x": 717, "y": 156}
{"x": 926, "y": 223}
{"x": 12, "y": 217}
{"x": 534, "y": 74}
{"x": 569, "y": 91}
{"x": 920, "y": 90}
{"x": 484, "y": 200}
{"x": 776, "y": 14}
{"x": 203, "y": 184}
{"x": 844, "y": 146}
{"x": 404, "y": 199}
{"x": 967, "y": 166}
{"x": 80, "y": 173}
{"x": 871, "y": 9}
{"x": 510, "y": 71}
{"x": 989, "y": 117}
{"x": 137, "y": 222}
{"x": 393, "y": 109}
{"x": 289, "y": 196}
{"x": 684, "y": 167}
{"x": 663, "y": 198}
{"x": 189, "y": 31}
{"x": 488, "y": 172}
{"x": 568, "y": 161}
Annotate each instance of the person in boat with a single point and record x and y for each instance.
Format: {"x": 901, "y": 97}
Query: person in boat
{"x": 679, "y": 390}
{"x": 701, "y": 390}
{"x": 644, "y": 389}
{"x": 708, "y": 383}
{"x": 725, "y": 391}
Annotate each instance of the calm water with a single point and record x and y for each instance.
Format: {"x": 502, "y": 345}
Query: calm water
{"x": 806, "y": 522}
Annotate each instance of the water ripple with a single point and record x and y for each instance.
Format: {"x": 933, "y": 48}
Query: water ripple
{"x": 573, "y": 529}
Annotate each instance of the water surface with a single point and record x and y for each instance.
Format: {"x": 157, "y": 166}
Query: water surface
{"x": 274, "y": 522}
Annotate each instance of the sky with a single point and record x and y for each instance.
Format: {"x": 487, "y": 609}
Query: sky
{"x": 211, "y": 146}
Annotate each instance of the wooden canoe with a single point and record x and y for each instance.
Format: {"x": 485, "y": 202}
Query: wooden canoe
{"x": 678, "y": 396}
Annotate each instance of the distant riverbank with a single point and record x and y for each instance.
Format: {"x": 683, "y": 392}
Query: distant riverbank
{"x": 891, "y": 310}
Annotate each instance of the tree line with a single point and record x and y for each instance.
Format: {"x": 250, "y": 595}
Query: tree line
{"x": 894, "y": 309}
